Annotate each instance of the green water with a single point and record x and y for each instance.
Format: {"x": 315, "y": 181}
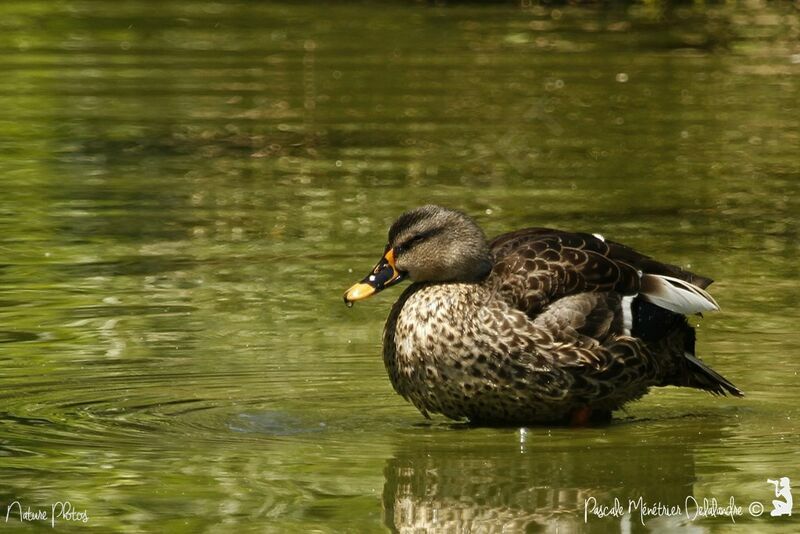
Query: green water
{"x": 189, "y": 187}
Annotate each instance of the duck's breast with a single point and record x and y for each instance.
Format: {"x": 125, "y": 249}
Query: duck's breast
{"x": 430, "y": 335}
{"x": 453, "y": 349}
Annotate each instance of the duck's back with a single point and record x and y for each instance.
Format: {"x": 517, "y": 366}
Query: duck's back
{"x": 536, "y": 266}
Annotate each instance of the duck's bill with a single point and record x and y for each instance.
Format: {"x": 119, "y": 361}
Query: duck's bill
{"x": 383, "y": 275}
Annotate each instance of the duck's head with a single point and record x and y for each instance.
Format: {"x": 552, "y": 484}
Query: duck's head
{"x": 428, "y": 244}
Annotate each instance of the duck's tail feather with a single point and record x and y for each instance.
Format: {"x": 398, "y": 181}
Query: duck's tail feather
{"x": 689, "y": 370}
{"x": 701, "y": 376}
{"x": 680, "y": 297}
{"x": 676, "y": 295}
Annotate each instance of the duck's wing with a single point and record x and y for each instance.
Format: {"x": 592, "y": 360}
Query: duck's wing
{"x": 612, "y": 314}
{"x": 586, "y": 319}
{"x": 535, "y": 267}
{"x": 583, "y": 334}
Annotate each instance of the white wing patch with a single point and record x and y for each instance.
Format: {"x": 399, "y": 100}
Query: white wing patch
{"x": 627, "y": 314}
{"x": 600, "y": 237}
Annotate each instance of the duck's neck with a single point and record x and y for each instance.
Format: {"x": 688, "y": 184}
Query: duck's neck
{"x": 481, "y": 270}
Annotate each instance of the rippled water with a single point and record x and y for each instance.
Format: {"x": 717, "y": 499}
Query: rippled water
{"x": 188, "y": 188}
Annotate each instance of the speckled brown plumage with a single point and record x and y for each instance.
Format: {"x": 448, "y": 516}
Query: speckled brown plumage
{"x": 531, "y": 328}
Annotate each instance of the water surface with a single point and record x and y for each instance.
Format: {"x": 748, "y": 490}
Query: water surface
{"x": 188, "y": 188}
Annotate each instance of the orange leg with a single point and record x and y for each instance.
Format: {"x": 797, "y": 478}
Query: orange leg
{"x": 580, "y": 416}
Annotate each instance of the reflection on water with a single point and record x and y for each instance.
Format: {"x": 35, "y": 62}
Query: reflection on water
{"x": 188, "y": 187}
{"x": 544, "y": 482}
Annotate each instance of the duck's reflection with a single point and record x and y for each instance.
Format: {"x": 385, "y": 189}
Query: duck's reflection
{"x": 521, "y": 481}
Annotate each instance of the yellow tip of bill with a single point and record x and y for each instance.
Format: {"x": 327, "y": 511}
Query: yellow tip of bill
{"x": 358, "y": 291}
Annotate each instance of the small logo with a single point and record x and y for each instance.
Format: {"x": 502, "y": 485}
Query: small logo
{"x": 782, "y": 490}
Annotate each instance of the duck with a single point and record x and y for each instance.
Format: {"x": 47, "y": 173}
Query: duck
{"x": 536, "y": 326}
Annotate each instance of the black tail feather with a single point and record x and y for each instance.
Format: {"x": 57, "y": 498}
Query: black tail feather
{"x": 701, "y": 376}
{"x": 653, "y": 324}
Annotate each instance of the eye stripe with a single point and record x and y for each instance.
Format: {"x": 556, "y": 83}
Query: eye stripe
{"x": 408, "y": 243}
